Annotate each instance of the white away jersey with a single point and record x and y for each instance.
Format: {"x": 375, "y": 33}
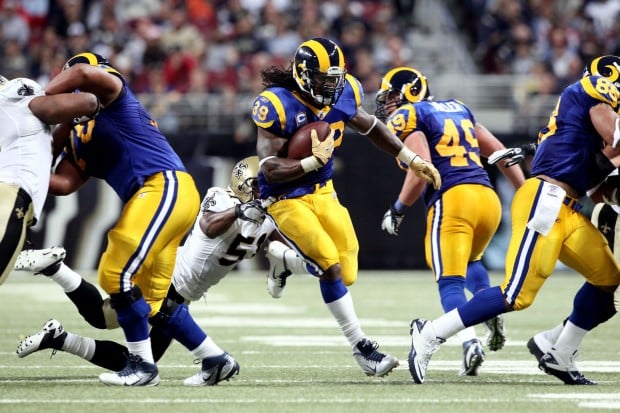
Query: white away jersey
{"x": 25, "y": 145}
{"x": 202, "y": 261}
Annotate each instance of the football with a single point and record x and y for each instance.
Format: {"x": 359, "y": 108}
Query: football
{"x": 300, "y": 144}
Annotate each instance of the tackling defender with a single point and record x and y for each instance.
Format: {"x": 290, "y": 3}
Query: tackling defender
{"x": 230, "y": 227}
{"x": 457, "y": 230}
{"x": 300, "y": 194}
{"x": 546, "y": 226}
{"x": 26, "y": 156}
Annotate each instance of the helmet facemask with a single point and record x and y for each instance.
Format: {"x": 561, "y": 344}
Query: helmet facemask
{"x": 324, "y": 88}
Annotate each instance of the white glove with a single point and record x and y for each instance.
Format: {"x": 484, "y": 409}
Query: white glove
{"x": 322, "y": 149}
{"x": 251, "y": 211}
{"x": 512, "y": 155}
{"x": 391, "y": 221}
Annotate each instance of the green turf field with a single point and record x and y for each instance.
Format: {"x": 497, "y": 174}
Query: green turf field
{"x": 294, "y": 359}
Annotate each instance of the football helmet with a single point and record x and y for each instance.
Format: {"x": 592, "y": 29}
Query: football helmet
{"x": 399, "y": 86}
{"x": 92, "y": 59}
{"x": 607, "y": 66}
{"x": 19, "y": 88}
{"x": 244, "y": 178}
{"x": 319, "y": 70}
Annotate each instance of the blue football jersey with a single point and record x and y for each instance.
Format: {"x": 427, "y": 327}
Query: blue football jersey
{"x": 282, "y": 112}
{"x": 568, "y": 143}
{"x": 449, "y": 127}
{"x": 122, "y": 146}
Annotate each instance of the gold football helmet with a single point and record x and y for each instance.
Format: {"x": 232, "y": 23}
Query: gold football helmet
{"x": 244, "y": 178}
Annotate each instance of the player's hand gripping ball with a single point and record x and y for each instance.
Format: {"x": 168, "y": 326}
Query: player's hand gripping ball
{"x": 303, "y": 144}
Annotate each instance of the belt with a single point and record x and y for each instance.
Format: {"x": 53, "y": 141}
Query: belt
{"x": 303, "y": 190}
{"x": 572, "y": 203}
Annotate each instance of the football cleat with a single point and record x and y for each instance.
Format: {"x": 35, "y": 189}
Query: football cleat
{"x": 496, "y": 333}
{"x": 423, "y": 344}
{"x": 540, "y": 344}
{"x": 45, "y": 261}
{"x": 52, "y": 335}
{"x": 563, "y": 367}
{"x": 214, "y": 370}
{"x": 473, "y": 356}
{"x": 137, "y": 372}
{"x": 278, "y": 272}
{"x": 373, "y": 362}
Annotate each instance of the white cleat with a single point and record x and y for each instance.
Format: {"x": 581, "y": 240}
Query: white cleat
{"x": 214, "y": 370}
{"x": 423, "y": 344}
{"x": 372, "y": 361}
{"x": 278, "y": 271}
{"x": 45, "y": 261}
{"x": 52, "y": 335}
{"x": 137, "y": 372}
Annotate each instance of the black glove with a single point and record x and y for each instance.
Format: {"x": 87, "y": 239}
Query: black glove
{"x": 251, "y": 211}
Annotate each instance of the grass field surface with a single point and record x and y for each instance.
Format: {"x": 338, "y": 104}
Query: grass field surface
{"x": 294, "y": 359}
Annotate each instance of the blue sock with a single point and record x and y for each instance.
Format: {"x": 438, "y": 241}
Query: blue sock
{"x": 477, "y": 277}
{"x": 133, "y": 318}
{"x": 591, "y": 307}
{"x": 452, "y": 292}
{"x": 332, "y": 290}
{"x": 487, "y": 304}
{"x": 182, "y": 327}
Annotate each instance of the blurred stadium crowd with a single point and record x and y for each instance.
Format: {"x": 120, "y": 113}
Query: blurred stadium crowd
{"x": 213, "y": 46}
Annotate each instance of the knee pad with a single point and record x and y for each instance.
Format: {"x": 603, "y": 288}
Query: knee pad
{"x": 129, "y": 306}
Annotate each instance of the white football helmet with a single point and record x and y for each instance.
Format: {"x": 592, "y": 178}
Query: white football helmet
{"x": 19, "y": 88}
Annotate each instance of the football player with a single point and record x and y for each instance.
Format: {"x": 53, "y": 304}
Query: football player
{"x": 457, "y": 230}
{"x": 26, "y": 156}
{"x": 300, "y": 194}
{"x": 230, "y": 227}
{"x": 123, "y": 146}
{"x": 547, "y": 226}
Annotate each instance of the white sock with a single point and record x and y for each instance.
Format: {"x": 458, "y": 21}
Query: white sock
{"x": 570, "y": 338}
{"x": 142, "y": 349}
{"x": 448, "y": 324}
{"x": 294, "y": 262}
{"x": 83, "y": 347}
{"x": 68, "y": 279}
{"x": 553, "y": 334}
{"x": 207, "y": 349}
{"x": 343, "y": 311}
{"x": 468, "y": 334}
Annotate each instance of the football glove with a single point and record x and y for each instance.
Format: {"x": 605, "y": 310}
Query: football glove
{"x": 392, "y": 220}
{"x": 426, "y": 170}
{"x": 251, "y": 211}
{"x": 512, "y": 156}
{"x": 322, "y": 149}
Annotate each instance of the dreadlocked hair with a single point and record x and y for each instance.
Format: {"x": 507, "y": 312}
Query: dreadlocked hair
{"x": 278, "y": 76}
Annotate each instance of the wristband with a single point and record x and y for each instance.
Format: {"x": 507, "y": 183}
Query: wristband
{"x": 406, "y": 155}
{"x": 616, "y": 134}
{"x": 310, "y": 163}
{"x": 400, "y": 207}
